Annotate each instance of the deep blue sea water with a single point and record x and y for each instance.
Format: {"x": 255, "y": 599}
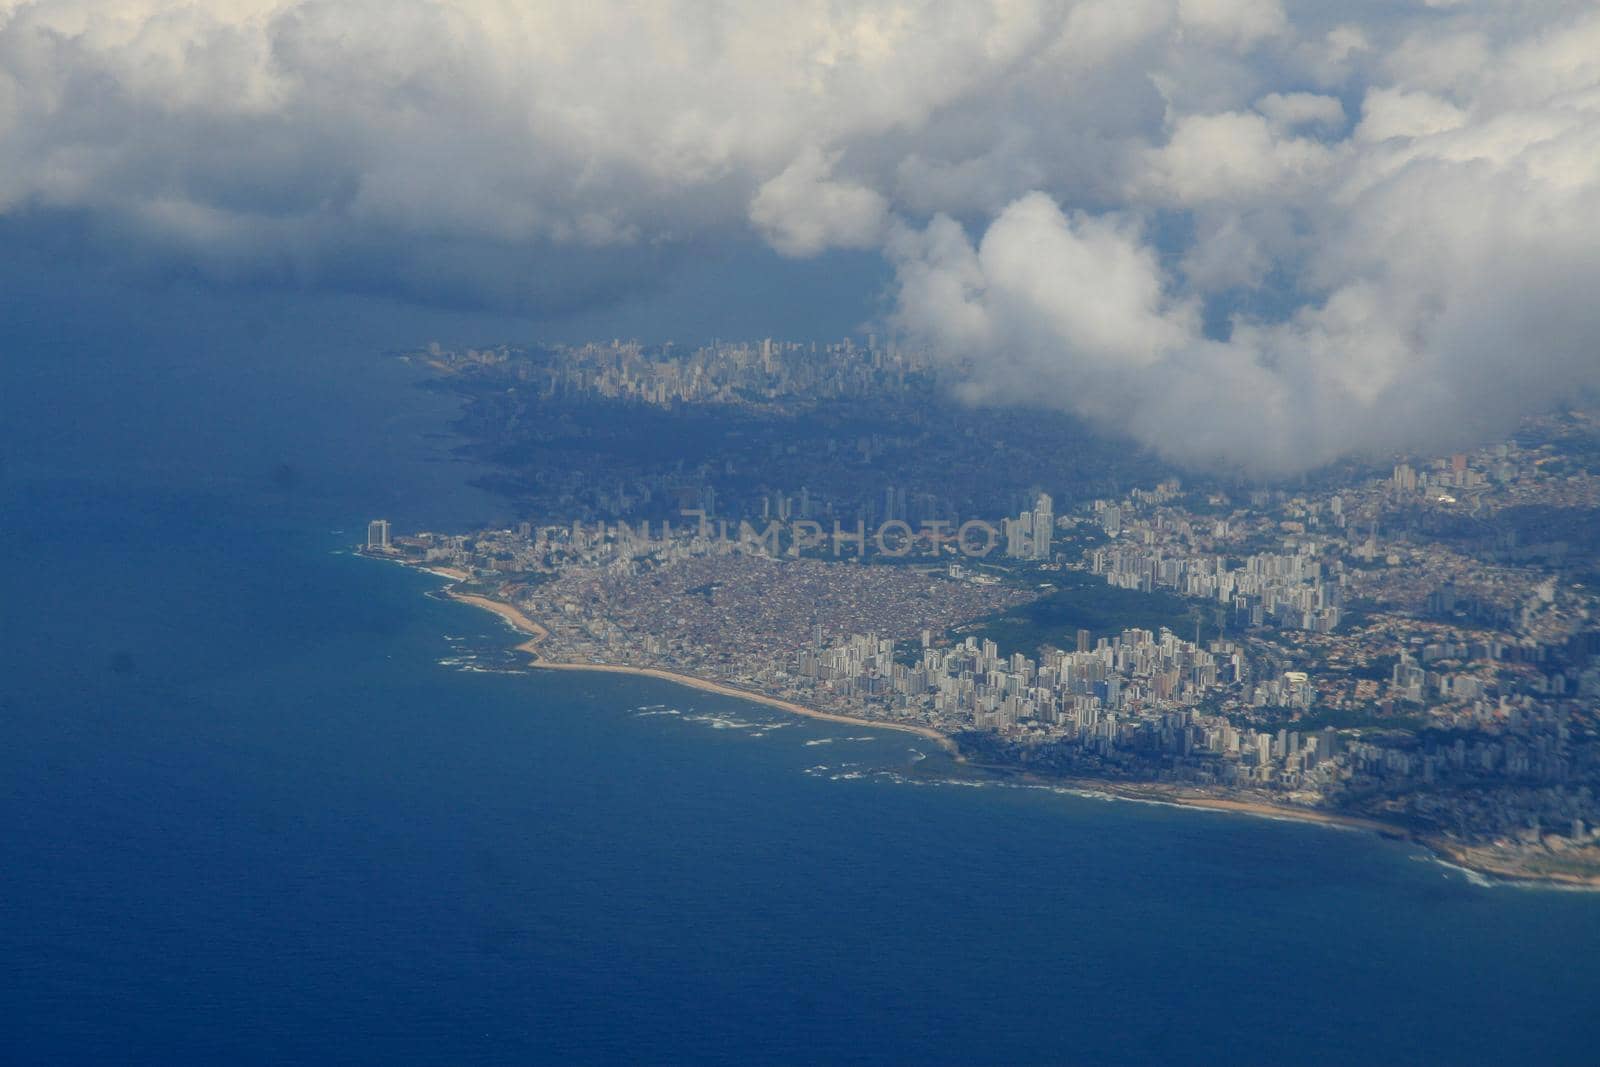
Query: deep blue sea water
{"x": 257, "y": 807}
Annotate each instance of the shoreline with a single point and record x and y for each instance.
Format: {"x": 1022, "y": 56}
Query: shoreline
{"x": 519, "y": 621}
{"x": 449, "y": 572}
{"x": 509, "y": 614}
{"x": 1470, "y": 859}
{"x": 1450, "y": 853}
{"x": 1260, "y": 808}
{"x": 726, "y": 689}
{"x": 1467, "y": 858}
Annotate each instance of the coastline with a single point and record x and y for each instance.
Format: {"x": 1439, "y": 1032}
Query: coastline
{"x": 1465, "y": 857}
{"x": 1154, "y": 794}
{"x": 1479, "y": 862}
{"x": 1495, "y": 871}
{"x": 724, "y": 689}
{"x": 537, "y": 633}
{"x": 514, "y": 618}
{"x": 449, "y": 572}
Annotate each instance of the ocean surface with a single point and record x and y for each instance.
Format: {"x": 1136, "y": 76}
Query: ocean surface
{"x": 262, "y": 801}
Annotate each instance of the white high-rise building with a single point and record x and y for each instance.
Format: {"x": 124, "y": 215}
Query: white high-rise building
{"x": 1019, "y": 536}
{"x": 378, "y": 534}
{"x": 1044, "y": 525}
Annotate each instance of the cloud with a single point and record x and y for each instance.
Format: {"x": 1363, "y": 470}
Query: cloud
{"x": 1233, "y": 155}
{"x": 1395, "y": 113}
{"x": 1249, "y": 234}
{"x": 803, "y": 211}
{"x": 1443, "y": 291}
{"x": 471, "y": 147}
{"x": 1287, "y": 111}
{"x": 1238, "y": 23}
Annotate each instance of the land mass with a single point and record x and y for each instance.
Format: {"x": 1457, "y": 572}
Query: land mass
{"x": 1488, "y": 863}
{"x": 519, "y": 621}
{"x": 1415, "y": 647}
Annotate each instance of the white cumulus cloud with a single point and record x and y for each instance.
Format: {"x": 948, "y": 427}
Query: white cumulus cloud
{"x": 1246, "y": 233}
{"x": 803, "y": 211}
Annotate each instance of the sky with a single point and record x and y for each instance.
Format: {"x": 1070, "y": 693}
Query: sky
{"x": 1253, "y": 235}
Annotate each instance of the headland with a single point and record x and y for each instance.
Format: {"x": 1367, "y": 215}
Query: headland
{"x": 537, "y": 633}
{"x": 1500, "y": 864}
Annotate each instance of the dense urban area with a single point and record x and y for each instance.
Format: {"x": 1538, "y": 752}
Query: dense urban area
{"x": 1414, "y": 643}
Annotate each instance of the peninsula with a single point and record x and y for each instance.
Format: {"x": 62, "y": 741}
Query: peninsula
{"x": 1414, "y": 647}
{"x": 520, "y": 622}
{"x": 1489, "y": 862}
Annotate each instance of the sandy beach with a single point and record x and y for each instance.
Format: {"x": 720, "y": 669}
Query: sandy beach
{"x": 726, "y": 690}
{"x": 1129, "y": 791}
{"x": 1484, "y": 861}
{"x": 1163, "y": 795}
{"x": 1481, "y": 861}
{"x": 507, "y": 612}
{"x": 1473, "y": 859}
{"x": 538, "y": 633}
{"x": 449, "y": 572}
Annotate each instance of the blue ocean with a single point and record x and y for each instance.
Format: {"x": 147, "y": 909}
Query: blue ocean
{"x": 262, "y": 801}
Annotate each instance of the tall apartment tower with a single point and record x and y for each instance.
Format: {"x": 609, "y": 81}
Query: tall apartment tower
{"x": 378, "y": 534}
{"x": 1044, "y": 525}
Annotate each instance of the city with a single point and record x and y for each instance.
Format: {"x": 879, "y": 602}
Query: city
{"x": 1379, "y": 646}
{"x": 928, "y": 532}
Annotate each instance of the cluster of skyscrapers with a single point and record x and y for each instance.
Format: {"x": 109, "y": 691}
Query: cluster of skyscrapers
{"x": 739, "y": 373}
{"x": 1289, "y": 589}
{"x": 1136, "y": 691}
{"x": 1028, "y": 536}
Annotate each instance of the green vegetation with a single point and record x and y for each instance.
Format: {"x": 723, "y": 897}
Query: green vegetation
{"x": 1084, "y": 601}
{"x": 1356, "y": 614}
{"x": 1381, "y": 669}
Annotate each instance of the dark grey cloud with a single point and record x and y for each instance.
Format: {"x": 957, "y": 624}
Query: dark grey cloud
{"x": 1249, "y": 233}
